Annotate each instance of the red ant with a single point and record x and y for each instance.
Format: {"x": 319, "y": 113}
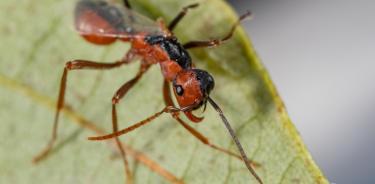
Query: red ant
{"x": 103, "y": 23}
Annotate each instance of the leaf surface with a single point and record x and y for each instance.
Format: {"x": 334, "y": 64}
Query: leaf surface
{"x": 37, "y": 38}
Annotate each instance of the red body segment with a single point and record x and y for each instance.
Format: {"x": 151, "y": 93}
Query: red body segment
{"x": 89, "y": 21}
{"x": 192, "y": 92}
{"x": 152, "y": 54}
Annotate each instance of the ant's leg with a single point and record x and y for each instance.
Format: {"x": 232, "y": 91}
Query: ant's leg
{"x": 168, "y": 109}
{"x": 168, "y": 101}
{"x": 181, "y": 15}
{"x": 71, "y": 65}
{"x": 215, "y": 42}
{"x": 127, "y": 4}
{"x": 115, "y": 100}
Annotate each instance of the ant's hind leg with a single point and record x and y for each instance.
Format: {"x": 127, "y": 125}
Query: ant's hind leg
{"x": 71, "y": 65}
{"x": 216, "y": 42}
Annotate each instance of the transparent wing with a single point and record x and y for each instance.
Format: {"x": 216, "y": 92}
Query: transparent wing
{"x": 103, "y": 19}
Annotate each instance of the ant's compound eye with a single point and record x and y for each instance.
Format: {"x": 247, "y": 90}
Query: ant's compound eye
{"x": 179, "y": 90}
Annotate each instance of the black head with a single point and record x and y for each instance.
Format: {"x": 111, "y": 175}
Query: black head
{"x": 206, "y": 81}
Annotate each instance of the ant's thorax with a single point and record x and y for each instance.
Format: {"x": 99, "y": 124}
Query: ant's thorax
{"x": 165, "y": 50}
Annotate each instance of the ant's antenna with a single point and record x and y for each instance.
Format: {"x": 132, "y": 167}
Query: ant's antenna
{"x": 235, "y": 139}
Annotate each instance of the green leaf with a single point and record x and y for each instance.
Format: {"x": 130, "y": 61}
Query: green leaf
{"x": 37, "y": 38}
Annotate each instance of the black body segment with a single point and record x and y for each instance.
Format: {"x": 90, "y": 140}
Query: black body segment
{"x": 174, "y": 49}
{"x": 206, "y": 81}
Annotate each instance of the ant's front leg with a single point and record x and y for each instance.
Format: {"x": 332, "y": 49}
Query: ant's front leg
{"x": 169, "y": 102}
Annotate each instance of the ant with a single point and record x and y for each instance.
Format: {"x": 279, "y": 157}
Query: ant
{"x": 103, "y": 23}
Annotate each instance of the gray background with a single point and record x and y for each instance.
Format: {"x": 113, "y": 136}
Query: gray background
{"x": 320, "y": 55}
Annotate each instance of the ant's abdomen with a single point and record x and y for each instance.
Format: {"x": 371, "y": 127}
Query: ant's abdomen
{"x": 99, "y": 22}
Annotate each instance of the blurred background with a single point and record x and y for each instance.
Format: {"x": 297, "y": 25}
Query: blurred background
{"x": 320, "y": 55}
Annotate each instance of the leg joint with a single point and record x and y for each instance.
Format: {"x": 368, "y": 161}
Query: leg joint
{"x": 69, "y": 65}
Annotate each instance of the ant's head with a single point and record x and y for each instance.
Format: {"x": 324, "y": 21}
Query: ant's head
{"x": 192, "y": 88}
